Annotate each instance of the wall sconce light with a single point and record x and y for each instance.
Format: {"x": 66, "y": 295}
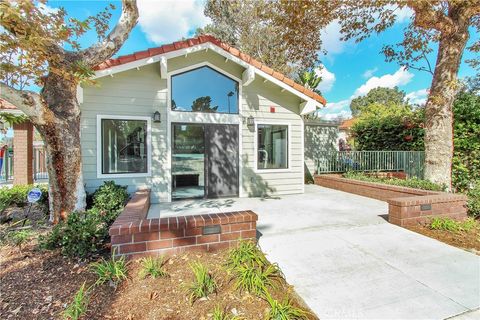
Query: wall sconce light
{"x": 250, "y": 121}
{"x": 157, "y": 117}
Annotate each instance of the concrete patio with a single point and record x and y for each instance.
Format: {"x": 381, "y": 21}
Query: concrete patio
{"x": 346, "y": 261}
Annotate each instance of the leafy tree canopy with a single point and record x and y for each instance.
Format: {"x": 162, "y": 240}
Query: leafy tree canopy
{"x": 381, "y": 96}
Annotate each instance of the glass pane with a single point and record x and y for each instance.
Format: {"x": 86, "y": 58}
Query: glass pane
{"x": 272, "y": 147}
{"x": 204, "y": 90}
{"x": 188, "y": 167}
{"x": 124, "y": 146}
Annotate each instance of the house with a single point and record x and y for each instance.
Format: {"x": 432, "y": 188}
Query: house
{"x": 194, "y": 119}
{"x": 344, "y": 134}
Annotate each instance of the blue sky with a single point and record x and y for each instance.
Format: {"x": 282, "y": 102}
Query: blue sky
{"x": 351, "y": 69}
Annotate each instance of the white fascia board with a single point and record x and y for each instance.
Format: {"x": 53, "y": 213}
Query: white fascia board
{"x": 308, "y": 106}
{"x": 248, "y": 76}
{"x": 15, "y": 112}
{"x": 163, "y": 67}
{"x": 196, "y": 48}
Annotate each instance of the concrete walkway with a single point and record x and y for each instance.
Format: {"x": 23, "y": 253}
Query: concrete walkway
{"x": 347, "y": 262}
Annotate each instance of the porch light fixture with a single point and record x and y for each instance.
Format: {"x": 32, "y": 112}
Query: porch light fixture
{"x": 157, "y": 117}
{"x": 250, "y": 121}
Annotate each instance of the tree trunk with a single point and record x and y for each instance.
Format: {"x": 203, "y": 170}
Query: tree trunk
{"x": 438, "y": 110}
{"x": 59, "y": 124}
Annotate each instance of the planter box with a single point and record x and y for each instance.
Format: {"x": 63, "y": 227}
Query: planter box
{"x": 406, "y": 206}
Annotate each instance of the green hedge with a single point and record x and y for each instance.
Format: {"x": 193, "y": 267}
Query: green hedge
{"x": 17, "y": 195}
{"x": 410, "y": 183}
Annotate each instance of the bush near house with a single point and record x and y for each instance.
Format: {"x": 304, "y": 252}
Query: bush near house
{"x": 85, "y": 233}
{"x": 409, "y": 183}
{"x": 17, "y": 195}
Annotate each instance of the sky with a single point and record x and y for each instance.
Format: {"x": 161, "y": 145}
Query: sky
{"x": 350, "y": 69}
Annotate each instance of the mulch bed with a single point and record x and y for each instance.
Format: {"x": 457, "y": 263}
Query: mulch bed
{"x": 38, "y": 285}
{"x": 469, "y": 241}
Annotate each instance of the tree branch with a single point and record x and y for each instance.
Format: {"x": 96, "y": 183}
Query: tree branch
{"x": 28, "y": 102}
{"x": 427, "y": 16}
{"x": 103, "y": 50}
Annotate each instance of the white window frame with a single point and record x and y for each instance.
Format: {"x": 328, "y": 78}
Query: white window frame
{"x": 289, "y": 144}
{"x": 101, "y": 117}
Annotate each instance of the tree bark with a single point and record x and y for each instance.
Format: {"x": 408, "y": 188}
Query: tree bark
{"x": 438, "y": 110}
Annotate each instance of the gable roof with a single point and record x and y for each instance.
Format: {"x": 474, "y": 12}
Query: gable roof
{"x": 184, "y": 44}
{"x": 5, "y": 105}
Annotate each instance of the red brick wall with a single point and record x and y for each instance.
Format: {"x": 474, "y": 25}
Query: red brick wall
{"x": 23, "y": 153}
{"x": 134, "y": 236}
{"x": 404, "y": 204}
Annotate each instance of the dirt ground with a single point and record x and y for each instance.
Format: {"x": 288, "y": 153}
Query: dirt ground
{"x": 38, "y": 285}
{"x": 469, "y": 241}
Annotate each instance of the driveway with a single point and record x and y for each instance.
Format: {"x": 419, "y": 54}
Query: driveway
{"x": 346, "y": 261}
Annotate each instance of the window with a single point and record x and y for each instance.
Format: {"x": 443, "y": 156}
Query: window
{"x": 272, "y": 144}
{"x": 204, "y": 90}
{"x": 124, "y": 146}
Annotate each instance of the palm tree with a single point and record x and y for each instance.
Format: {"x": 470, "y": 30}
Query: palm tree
{"x": 310, "y": 80}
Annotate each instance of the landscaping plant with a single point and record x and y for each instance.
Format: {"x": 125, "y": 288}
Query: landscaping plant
{"x": 409, "y": 183}
{"x": 448, "y": 224}
{"x": 17, "y": 196}
{"x": 219, "y": 314}
{"x": 113, "y": 271}
{"x": 19, "y": 237}
{"x": 153, "y": 267}
{"x": 110, "y": 198}
{"x": 79, "y": 305}
{"x": 473, "y": 203}
{"x": 203, "y": 285}
{"x": 246, "y": 252}
{"x": 255, "y": 278}
{"x": 284, "y": 310}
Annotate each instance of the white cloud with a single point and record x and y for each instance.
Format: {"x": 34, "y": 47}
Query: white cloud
{"x": 369, "y": 72}
{"x": 328, "y": 79}
{"x": 417, "y": 97}
{"x": 404, "y": 14}
{"x": 46, "y": 9}
{"x": 170, "y": 20}
{"x": 336, "y": 110}
{"x": 401, "y": 77}
{"x": 331, "y": 38}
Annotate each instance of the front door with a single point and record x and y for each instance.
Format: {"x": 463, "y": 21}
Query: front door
{"x": 221, "y": 167}
{"x": 204, "y": 161}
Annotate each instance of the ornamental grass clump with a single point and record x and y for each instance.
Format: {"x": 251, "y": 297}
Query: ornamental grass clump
{"x": 219, "y": 314}
{"x": 152, "y": 267}
{"x": 203, "y": 285}
{"x": 78, "y": 307}
{"x": 113, "y": 271}
{"x": 246, "y": 252}
{"x": 284, "y": 310}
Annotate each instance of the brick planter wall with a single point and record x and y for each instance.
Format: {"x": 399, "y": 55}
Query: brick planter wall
{"x": 133, "y": 235}
{"x": 406, "y": 206}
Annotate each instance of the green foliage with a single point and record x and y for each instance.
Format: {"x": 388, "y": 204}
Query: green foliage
{"x": 256, "y": 279}
{"x": 284, "y": 310}
{"x": 474, "y": 200}
{"x": 85, "y": 233}
{"x": 389, "y": 127}
{"x": 113, "y": 270}
{"x": 448, "y": 224}
{"x": 82, "y": 234}
{"x": 110, "y": 198}
{"x": 19, "y": 237}
{"x": 153, "y": 267}
{"x": 219, "y": 314}
{"x": 251, "y": 270}
{"x": 383, "y": 96}
{"x": 247, "y": 252}
{"x": 17, "y": 195}
{"x": 309, "y": 79}
{"x": 203, "y": 284}
{"x": 466, "y": 127}
{"x": 79, "y": 305}
{"x": 409, "y": 183}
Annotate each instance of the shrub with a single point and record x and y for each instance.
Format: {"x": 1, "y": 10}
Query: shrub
{"x": 79, "y": 305}
{"x": 203, "y": 284}
{"x": 284, "y": 310}
{"x": 448, "y": 224}
{"x": 17, "y": 195}
{"x": 409, "y": 183}
{"x": 219, "y": 314}
{"x": 153, "y": 267}
{"x": 113, "y": 271}
{"x": 474, "y": 200}
{"x": 83, "y": 234}
{"x": 110, "y": 198}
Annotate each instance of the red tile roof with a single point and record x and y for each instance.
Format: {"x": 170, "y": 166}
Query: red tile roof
{"x": 5, "y": 105}
{"x": 203, "y": 39}
{"x": 347, "y": 124}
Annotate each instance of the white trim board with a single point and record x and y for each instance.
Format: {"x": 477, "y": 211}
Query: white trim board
{"x": 204, "y": 46}
{"x": 99, "y": 146}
